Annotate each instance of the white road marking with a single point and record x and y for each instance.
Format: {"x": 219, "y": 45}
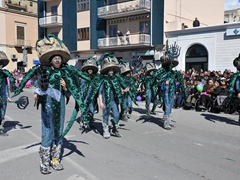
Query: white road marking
{"x": 199, "y": 144}
{"x": 20, "y": 151}
{"x": 17, "y": 152}
{"x": 75, "y": 177}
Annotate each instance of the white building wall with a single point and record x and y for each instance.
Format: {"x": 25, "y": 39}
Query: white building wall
{"x": 222, "y": 49}
{"x": 227, "y": 49}
{"x": 185, "y": 42}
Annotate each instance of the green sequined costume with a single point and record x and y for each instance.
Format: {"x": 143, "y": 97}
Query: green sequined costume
{"x": 71, "y": 77}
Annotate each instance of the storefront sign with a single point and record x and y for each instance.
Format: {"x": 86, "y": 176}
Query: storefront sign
{"x": 233, "y": 32}
{"x": 36, "y": 61}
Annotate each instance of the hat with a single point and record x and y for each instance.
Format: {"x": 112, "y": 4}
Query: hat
{"x": 166, "y": 61}
{"x": 109, "y": 63}
{"x": 149, "y": 67}
{"x": 223, "y": 79}
{"x": 236, "y": 62}
{"x": 125, "y": 67}
{"x": 3, "y": 59}
{"x": 90, "y": 63}
{"x": 51, "y": 46}
{"x": 169, "y": 59}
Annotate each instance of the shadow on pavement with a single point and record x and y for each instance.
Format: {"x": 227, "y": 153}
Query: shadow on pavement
{"x": 69, "y": 144}
{"x": 213, "y": 118}
{"x": 9, "y": 125}
{"x": 151, "y": 119}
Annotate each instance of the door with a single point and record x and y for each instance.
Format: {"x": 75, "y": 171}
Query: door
{"x": 112, "y": 35}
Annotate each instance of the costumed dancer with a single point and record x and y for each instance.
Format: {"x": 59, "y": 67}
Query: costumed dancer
{"x": 166, "y": 78}
{"x": 90, "y": 69}
{"x": 234, "y": 87}
{"x": 57, "y": 80}
{"x": 109, "y": 87}
{"x": 4, "y": 96}
{"x": 150, "y": 87}
{"x": 150, "y": 84}
{"x": 110, "y": 93}
{"x": 129, "y": 96}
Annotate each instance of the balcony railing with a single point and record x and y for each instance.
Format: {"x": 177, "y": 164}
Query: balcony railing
{"x": 55, "y": 20}
{"x": 22, "y": 42}
{"x": 136, "y": 40}
{"x": 124, "y": 9}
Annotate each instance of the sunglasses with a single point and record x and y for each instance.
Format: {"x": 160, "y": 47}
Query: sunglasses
{"x": 57, "y": 59}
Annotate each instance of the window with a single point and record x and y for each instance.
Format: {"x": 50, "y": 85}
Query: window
{"x": 82, "y": 5}
{"x": 20, "y": 33}
{"x": 83, "y": 34}
{"x": 113, "y": 30}
{"x": 112, "y": 2}
{"x": 145, "y": 27}
{"x": 54, "y": 10}
{"x": 31, "y": 4}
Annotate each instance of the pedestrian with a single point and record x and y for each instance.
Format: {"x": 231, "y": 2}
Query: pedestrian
{"x": 110, "y": 94}
{"x": 196, "y": 22}
{"x": 91, "y": 69}
{"x": 234, "y": 87}
{"x": 150, "y": 88}
{"x": 127, "y": 36}
{"x": 57, "y": 81}
{"x": 129, "y": 96}
{"x": 4, "y": 96}
{"x": 166, "y": 77}
{"x": 120, "y": 35}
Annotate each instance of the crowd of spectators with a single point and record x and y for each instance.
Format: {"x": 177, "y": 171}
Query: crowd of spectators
{"x": 215, "y": 87}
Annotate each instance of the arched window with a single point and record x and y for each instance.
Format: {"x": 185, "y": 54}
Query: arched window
{"x": 197, "y": 58}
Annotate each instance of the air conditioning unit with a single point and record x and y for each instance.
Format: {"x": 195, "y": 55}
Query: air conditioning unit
{"x": 14, "y": 57}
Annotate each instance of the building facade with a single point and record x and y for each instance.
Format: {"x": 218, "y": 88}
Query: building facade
{"x": 208, "y": 48}
{"x": 89, "y": 27}
{"x": 19, "y": 33}
{"x": 232, "y": 16}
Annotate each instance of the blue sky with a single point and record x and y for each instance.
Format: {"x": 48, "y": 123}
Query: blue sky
{"x": 232, "y": 4}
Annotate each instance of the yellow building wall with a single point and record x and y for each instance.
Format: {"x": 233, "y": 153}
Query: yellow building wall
{"x": 30, "y": 25}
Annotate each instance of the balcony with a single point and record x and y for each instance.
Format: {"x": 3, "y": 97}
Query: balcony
{"x": 124, "y": 9}
{"x": 22, "y": 42}
{"x": 135, "y": 41}
{"x": 51, "y": 21}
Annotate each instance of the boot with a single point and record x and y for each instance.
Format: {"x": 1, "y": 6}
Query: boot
{"x": 55, "y": 162}
{"x": 153, "y": 109}
{"x": 106, "y": 133}
{"x": 90, "y": 119}
{"x": 166, "y": 122}
{"x": 170, "y": 121}
{"x": 124, "y": 115}
{"x": 44, "y": 160}
{"x": 114, "y": 129}
{"x": 148, "y": 111}
{"x": 130, "y": 110}
{"x": 2, "y": 133}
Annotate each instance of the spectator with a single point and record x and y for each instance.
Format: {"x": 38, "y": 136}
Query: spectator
{"x": 224, "y": 92}
{"x": 196, "y": 22}
{"x": 120, "y": 35}
{"x": 184, "y": 26}
{"x": 127, "y": 36}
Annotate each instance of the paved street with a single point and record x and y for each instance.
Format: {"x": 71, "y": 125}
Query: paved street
{"x": 202, "y": 146}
